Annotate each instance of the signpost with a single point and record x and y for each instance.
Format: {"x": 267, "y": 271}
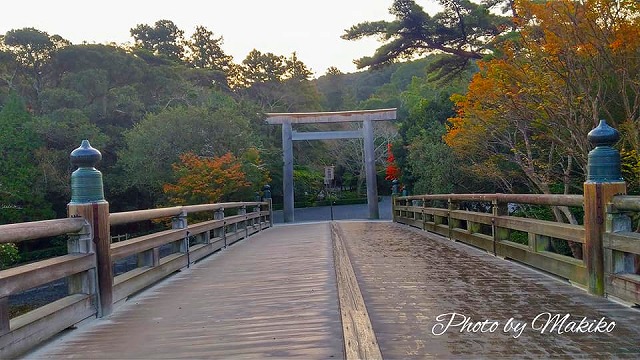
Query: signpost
{"x": 328, "y": 174}
{"x": 328, "y": 179}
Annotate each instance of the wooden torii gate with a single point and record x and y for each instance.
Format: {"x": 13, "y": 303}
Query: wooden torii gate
{"x": 366, "y": 117}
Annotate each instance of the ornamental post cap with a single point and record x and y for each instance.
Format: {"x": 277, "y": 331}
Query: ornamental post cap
{"x": 86, "y": 181}
{"x": 603, "y": 135}
{"x": 85, "y": 155}
{"x": 603, "y": 162}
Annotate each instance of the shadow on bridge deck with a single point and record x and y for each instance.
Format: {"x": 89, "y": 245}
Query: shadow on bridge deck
{"x": 275, "y": 295}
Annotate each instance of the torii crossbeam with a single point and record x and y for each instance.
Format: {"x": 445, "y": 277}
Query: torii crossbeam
{"x": 288, "y": 136}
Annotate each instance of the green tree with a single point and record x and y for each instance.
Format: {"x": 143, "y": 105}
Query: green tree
{"x": 31, "y": 50}
{"x": 164, "y": 39}
{"x": 464, "y": 29}
{"x": 296, "y": 70}
{"x": 205, "y": 51}
{"x": 334, "y": 98}
{"x": 157, "y": 141}
{"x": 261, "y": 68}
{"x": 22, "y": 191}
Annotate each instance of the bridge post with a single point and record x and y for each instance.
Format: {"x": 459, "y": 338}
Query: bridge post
{"x": 243, "y": 211}
{"x": 180, "y": 222}
{"x": 499, "y": 234}
{"x": 452, "y": 223}
{"x": 87, "y": 201}
{"x": 267, "y": 198}
{"x": 81, "y": 243}
{"x": 604, "y": 180}
{"x": 220, "y": 232}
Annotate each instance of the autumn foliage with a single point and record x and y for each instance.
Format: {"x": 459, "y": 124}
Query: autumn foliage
{"x": 203, "y": 180}
{"x": 528, "y": 110}
{"x": 392, "y": 171}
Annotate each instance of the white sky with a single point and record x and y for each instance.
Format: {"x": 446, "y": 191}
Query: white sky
{"x": 310, "y": 28}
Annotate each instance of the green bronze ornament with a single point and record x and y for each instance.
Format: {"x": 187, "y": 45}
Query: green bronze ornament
{"x": 86, "y": 181}
{"x": 603, "y": 164}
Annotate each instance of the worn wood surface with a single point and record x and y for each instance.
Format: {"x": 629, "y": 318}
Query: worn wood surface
{"x": 331, "y": 117}
{"x": 359, "y": 338}
{"x": 28, "y": 276}
{"x": 97, "y": 214}
{"x": 596, "y": 196}
{"x": 272, "y": 295}
{"x": 32, "y": 328}
{"x": 139, "y": 244}
{"x": 409, "y": 277}
{"x": 38, "y": 229}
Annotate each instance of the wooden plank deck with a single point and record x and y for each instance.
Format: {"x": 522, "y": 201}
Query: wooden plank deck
{"x": 275, "y": 295}
{"x": 272, "y": 295}
{"x": 408, "y": 278}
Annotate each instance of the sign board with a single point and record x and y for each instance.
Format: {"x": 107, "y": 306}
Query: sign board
{"x": 328, "y": 175}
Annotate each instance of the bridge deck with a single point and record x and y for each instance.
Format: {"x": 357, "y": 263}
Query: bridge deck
{"x": 274, "y": 295}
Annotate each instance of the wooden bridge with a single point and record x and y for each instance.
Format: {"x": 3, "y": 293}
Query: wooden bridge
{"x": 354, "y": 289}
{"x": 454, "y": 275}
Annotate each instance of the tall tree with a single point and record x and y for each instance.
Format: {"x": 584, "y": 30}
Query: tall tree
{"x": 464, "y": 29}
{"x": 205, "y": 51}
{"x": 261, "y": 68}
{"x": 528, "y": 111}
{"x": 32, "y": 50}
{"x": 295, "y": 69}
{"x": 164, "y": 39}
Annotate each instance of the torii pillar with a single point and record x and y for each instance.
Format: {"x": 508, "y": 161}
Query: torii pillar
{"x": 366, "y": 117}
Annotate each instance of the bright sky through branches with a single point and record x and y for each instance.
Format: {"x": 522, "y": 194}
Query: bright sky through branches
{"x": 310, "y": 28}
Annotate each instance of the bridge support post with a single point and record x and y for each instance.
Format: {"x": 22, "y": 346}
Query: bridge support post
{"x": 180, "y": 222}
{"x": 243, "y": 211}
{"x": 604, "y": 180}
{"x": 221, "y": 231}
{"x": 81, "y": 243}
{"x": 87, "y": 201}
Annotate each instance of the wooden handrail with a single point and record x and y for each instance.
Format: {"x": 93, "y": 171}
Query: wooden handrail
{"x": 17, "y": 279}
{"x": 126, "y": 217}
{"x": 534, "y": 199}
{"x": 626, "y": 202}
{"x": 12, "y": 233}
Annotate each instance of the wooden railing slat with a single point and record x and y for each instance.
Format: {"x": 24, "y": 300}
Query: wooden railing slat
{"x": 139, "y": 244}
{"x": 28, "y": 276}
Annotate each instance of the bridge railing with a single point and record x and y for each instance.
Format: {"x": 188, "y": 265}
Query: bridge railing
{"x": 606, "y": 249}
{"x": 161, "y": 253}
{"x": 490, "y": 227}
{"x": 622, "y": 249}
{"x": 94, "y": 284}
{"x": 78, "y": 266}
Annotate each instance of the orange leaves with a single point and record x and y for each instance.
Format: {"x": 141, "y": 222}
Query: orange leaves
{"x": 534, "y": 102}
{"x": 392, "y": 171}
{"x": 205, "y": 180}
